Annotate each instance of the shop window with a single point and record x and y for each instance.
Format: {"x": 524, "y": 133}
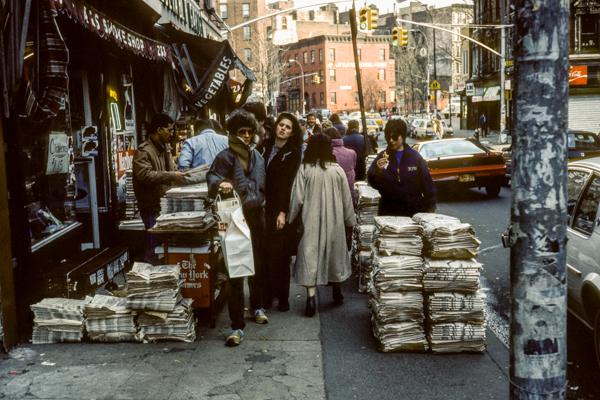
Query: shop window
{"x": 312, "y": 56}
{"x": 223, "y": 11}
{"x": 332, "y": 75}
{"x": 245, "y": 10}
{"x": 247, "y": 33}
{"x": 381, "y": 54}
{"x": 305, "y": 57}
{"x": 332, "y": 55}
{"x": 589, "y": 33}
{"x": 333, "y": 98}
{"x": 320, "y": 55}
{"x": 247, "y": 54}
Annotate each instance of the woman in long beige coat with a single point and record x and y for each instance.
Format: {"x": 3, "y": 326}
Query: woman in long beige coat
{"x": 320, "y": 195}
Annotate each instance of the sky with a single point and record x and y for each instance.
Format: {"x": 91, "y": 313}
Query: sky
{"x": 383, "y": 5}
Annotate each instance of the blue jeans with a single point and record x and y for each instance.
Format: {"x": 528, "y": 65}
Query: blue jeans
{"x": 151, "y": 240}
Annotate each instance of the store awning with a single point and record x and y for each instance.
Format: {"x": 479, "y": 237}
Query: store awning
{"x": 202, "y": 67}
{"x": 491, "y": 93}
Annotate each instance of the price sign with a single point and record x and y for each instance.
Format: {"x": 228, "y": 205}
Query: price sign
{"x": 58, "y": 154}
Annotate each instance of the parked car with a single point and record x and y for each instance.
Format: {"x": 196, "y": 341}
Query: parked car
{"x": 463, "y": 163}
{"x": 373, "y": 127}
{"x": 583, "y": 233}
{"x": 375, "y": 116}
{"x": 448, "y": 130}
{"x": 423, "y": 128}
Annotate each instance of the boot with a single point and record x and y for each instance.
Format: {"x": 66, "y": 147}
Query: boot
{"x": 311, "y": 306}
{"x": 338, "y": 298}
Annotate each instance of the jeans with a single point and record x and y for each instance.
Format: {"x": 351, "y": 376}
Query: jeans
{"x": 151, "y": 240}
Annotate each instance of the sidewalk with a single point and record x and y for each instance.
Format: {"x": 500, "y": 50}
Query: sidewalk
{"x": 293, "y": 357}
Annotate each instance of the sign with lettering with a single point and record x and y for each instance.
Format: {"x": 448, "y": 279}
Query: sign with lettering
{"x": 578, "y": 75}
{"x": 58, "y": 154}
{"x": 185, "y": 13}
{"x": 110, "y": 30}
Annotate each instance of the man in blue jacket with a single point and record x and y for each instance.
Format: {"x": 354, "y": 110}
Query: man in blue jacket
{"x": 401, "y": 176}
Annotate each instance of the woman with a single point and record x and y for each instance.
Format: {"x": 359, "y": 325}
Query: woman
{"x": 401, "y": 176}
{"x": 242, "y": 169}
{"x": 282, "y": 155}
{"x": 338, "y": 124}
{"x": 321, "y": 197}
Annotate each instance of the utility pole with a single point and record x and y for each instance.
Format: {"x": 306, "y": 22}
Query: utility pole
{"x": 502, "y": 79}
{"x": 354, "y": 30}
{"x": 537, "y": 236}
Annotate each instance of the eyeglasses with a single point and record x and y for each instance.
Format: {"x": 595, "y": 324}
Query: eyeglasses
{"x": 245, "y": 131}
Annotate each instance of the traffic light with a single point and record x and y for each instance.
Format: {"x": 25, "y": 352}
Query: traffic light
{"x": 363, "y": 18}
{"x": 373, "y": 16}
{"x": 316, "y": 79}
{"x": 395, "y": 36}
{"x": 403, "y": 42}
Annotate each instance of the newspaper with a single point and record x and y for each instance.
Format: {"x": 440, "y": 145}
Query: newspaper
{"x": 58, "y": 320}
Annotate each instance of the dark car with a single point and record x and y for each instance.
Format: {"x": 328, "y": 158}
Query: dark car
{"x": 464, "y": 163}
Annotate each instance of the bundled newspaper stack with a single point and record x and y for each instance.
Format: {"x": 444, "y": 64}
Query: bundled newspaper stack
{"x": 396, "y": 285}
{"x": 156, "y": 288}
{"x": 57, "y": 320}
{"x": 131, "y": 207}
{"x": 181, "y": 220}
{"x": 178, "y": 324}
{"x": 368, "y": 161}
{"x": 108, "y": 319}
{"x": 185, "y": 198}
{"x": 367, "y": 203}
{"x": 363, "y": 242}
{"x": 454, "y": 302}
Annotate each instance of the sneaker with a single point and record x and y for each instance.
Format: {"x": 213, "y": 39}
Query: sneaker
{"x": 260, "y": 317}
{"x": 235, "y": 338}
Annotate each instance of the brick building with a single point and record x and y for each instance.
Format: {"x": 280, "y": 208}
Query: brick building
{"x": 330, "y": 57}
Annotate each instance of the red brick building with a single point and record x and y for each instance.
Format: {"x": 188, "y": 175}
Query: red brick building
{"x": 330, "y": 57}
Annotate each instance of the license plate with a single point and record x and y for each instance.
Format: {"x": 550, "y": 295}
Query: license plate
{"x": 466, "y": 178}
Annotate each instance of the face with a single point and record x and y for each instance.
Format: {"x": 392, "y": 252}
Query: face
{"x": 311, "y": 120}
{"x": 246, "y": 134}
{"x": 284, "y": 129}
{"x": 395, "y": 142}
{"x": 164, "y": 133}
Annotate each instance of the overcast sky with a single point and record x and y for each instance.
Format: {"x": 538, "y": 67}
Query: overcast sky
{"x": 383, "y": 5}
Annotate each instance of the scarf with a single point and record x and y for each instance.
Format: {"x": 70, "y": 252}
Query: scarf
{"x": 241, "y": 150}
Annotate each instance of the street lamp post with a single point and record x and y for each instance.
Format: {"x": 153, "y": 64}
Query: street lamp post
{"x": 291, "y": 60}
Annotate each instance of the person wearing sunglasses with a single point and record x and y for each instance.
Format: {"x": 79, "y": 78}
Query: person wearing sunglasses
{"x": 241, "y": 168}
{"x": 153, "y": 174}
{"x": 401, "y": 176}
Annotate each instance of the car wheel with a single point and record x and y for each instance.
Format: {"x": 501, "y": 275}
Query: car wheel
{"x": 492, "y": 190}
{"x": 597, "y": 336}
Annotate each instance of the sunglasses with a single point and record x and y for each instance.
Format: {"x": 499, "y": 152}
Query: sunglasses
{"x": 393, "y": 136}
{"x": 245, "y": 131}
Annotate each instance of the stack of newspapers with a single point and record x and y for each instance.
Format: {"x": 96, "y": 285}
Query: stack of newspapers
{"x": 181, "y": 220}
{"x": 58, "y": 320}
{"x": 178, "y": 324}
{"x": 362, "y": 248}
{"x": 367, "y": 203}
{"x": 396, "y": 285}
{"x": 185, "y": 198}
{"x": 454, "y": 301}
{"x": 156, "y": 288}
{"x": 109, "y": 319}
{"x": 131, "y": 207}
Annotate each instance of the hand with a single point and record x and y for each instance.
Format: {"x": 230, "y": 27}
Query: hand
{"x": 280, "y": 221}
{"x": 382, "y": 163}
{"x": 225, "y": 187}
{"x": 180, "y": 177}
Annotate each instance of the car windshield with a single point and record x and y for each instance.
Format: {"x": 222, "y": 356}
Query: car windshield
{"x": 583, "y": 140}
{"x": 449, "y": 148}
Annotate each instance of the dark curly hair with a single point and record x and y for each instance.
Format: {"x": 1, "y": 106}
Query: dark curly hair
{"x": 296, "y": 137}
{"x": 159, "y": 121}
{"x": 335, "y": 118}
{"x": 396, "y": 127}
{"x": 319, "y": 151}
{"x": 257, "y": 108}
{"x": 241, "y": 118}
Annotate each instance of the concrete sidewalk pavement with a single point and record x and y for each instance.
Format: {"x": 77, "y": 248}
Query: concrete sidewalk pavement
{"x": 329, "y": 356}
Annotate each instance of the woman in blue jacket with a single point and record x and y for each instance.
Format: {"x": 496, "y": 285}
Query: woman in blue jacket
{"x": 401, "y": 176}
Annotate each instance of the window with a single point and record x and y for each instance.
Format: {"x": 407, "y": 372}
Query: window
{"x": 381, "y": 75}
{"x": 381, "y": 54}
{"x": 321, "y": 98}
{"x": 305, "y": 57}
{"x": 382, "y": 97}
{"x": 245, "y": 10}
{"x": 247, "y": 33}
{"x": 333, "y": 98}
{"x": 223, "y": 10}
{"x": 296, "y": 56}
{"x": 321, "y": 76}
{"x": 312, "y": 56}
{"x": 247, "y": 55}
{"x": 585, "y": 215}
{"x": 331, "y": 54}
{"x": 314, "y": 99}
{"x": 332, "y": 75}
{"x": 320, "y": 55}
{"x": 576, "y": 181}
{"x": 284, "y": 25}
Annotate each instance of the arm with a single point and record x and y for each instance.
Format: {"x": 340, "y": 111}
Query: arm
{"x": 186, "y": 156}
{"x": 375, "y": 176}
{"x": 220, "y": 171}
{"x": 143, "y": 171}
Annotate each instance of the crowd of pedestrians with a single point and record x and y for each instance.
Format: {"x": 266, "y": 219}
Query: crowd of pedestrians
{"x": 296, "y": 185}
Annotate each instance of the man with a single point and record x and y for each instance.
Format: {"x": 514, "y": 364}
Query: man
{"x": 401, "y": 176}
{"x": 438, "y": 128}
{"x": 483, "y": 125}
{"x": 356, "y": 141}
{"x": 202, "y": 148}
{"x": 241, "y": 168}
{"x": 259, "y": 111}
{"x": 312, "y": 128}
{"x": 153, "y": 174}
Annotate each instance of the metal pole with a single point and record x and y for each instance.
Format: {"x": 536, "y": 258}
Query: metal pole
{"x": 435, "y": 105}
{"x": 538, "y": 330}
{"x": 502, "y": 77}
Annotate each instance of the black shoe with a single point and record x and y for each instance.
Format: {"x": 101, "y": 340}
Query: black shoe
{"x": 338, "y": 297}
{"x": 311, "y": 306}
{"x": 284, "y": 305}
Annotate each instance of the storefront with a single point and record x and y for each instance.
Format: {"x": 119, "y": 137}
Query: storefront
{"x": 89, "y": 80}
{"x": 584, "y": 96}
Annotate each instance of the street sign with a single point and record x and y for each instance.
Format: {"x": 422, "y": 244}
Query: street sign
{"x": 434, "y": 85}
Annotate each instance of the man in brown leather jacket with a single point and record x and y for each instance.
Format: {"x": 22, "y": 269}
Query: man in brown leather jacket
{"x": 153, "y": 174}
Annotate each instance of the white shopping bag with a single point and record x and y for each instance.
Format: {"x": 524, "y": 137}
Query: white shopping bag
{"x": 237, "y": 247}
{"x": 225, "y": 207}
